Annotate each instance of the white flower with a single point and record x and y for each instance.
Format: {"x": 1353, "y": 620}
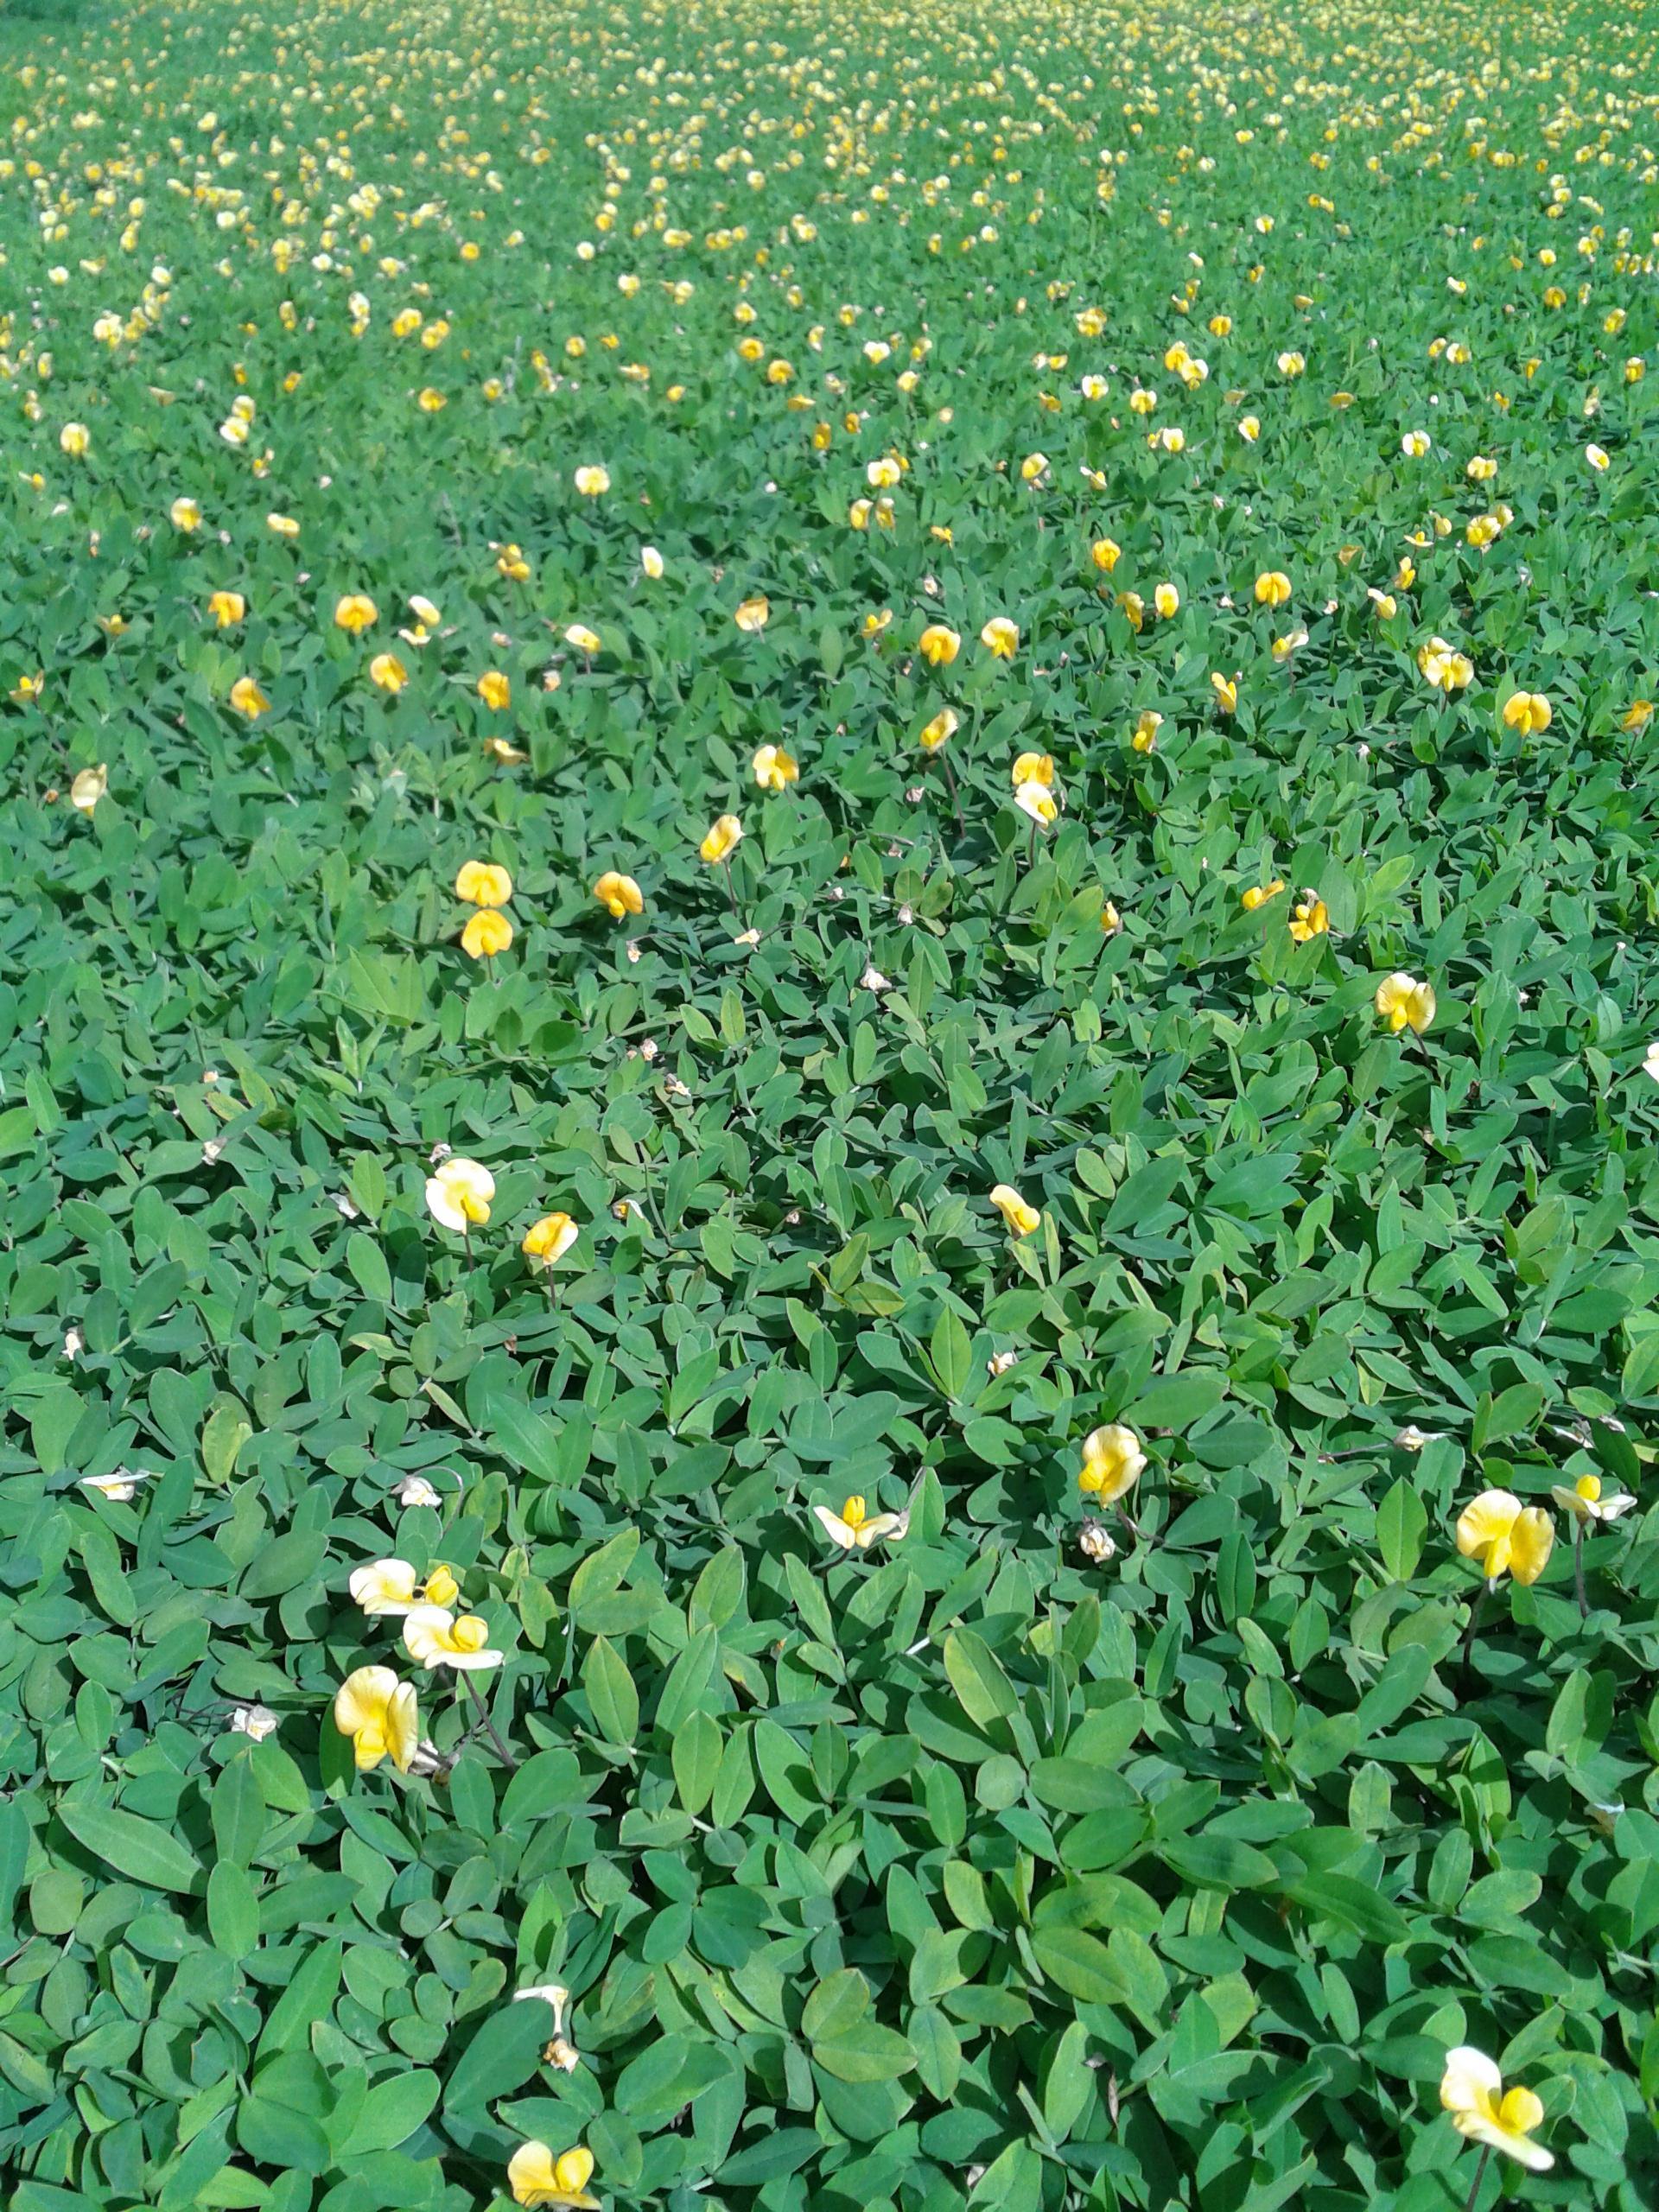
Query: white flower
{"x": 1094, "y": 1543}
{"x": 874, "y": 980}
{"x": 853, "y": 1526}
{"x": 1471, "y": 2090}
{"x": 458, "y": 1195}
{"x": 1650, "y": 1066}
{"x": 256, "y": 1720}
{"x": 121, "y": 1485}
{"x": 1413, "y": 1439}
{"x": 415, "y": 1490}
{"x": 386, "y": 1586}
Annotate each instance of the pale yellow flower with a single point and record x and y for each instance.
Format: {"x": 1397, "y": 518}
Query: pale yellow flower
{"x": 381, "y": 1715}
{"x": 1505, "y": 1535}
{"x": 1404, "y": 1003}
{"x": 1471, "y": 2090}
{"x": 458, "y": 1194}
{"x": 1022, "y": 1220}
{"x": 1112, "y": 1463}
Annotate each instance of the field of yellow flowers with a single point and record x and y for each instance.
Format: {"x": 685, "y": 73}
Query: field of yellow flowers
{"x": 829, "y": 1057}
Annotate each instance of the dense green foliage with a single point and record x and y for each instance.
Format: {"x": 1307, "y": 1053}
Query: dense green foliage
{"x": 985, "y": 1865}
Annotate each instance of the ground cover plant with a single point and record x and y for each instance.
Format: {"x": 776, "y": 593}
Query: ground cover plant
{"x": 826, "y": 1106}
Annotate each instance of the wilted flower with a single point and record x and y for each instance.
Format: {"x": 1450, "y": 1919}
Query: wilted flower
{"x": 754, "y": 613}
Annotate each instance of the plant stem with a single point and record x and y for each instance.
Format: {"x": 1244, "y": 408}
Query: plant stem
{"x": 1577, "y": 1568}
{"x": 956, "y": 795}
{"x": 1475, "y": 1612}
{"x": 1480, "y": 2175}
{"x": 507, "y": 1759}
{"x": 731, "y": 894}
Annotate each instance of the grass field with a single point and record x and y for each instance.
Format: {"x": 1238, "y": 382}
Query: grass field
{"x": 826, "y": 1106}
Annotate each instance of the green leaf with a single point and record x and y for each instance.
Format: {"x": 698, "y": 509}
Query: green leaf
{"x": 139, "y": 1850}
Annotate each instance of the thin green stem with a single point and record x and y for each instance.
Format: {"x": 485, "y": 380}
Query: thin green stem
{"x": 1577, "y": 1568}
{"x": 1475, "y": 1612}
{"x": 1480, "y": 2175}
{"x": 956, "y": 795}
{"x": 507, "y": 1759}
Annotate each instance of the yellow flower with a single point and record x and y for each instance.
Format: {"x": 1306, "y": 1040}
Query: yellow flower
{"x": 939, "y": 730}
{"x": 1585, "y": 1502}
{"x": 481, "y": 883}
{"x": 584, "y": 639}
{"x": 434, "y": 1637}
{"x": 1416, "y": 444}
{"x": 938, "y": 645}
{"x": 355, "y": 612}
{"x": 386, "y": 671}
{"x": 1226, "y": 690}
{"x": 876, "y": 621}
{"x": 1292, "y": 641}
{"x": 1259, "y": 894}
{"x": 226, "y": 608}
{"x": 619, "y": 895}
{"x": 74, "y": 438}
{"x": 391, "y": 1587}
{"x": 549, "y": 1238}
{"x": 1404, "y": 1003}
{"x": 1147, "y": 725}
{"x": 855, "y": 1525}
{"x": 1112, "y": 1462}
{"x": 1308, "y": 917}
{"x": 1385, "y": 603}
{"x": 1033, "y": 768}
{"x": 1636, "y": 717}
{"x": 1505, "y": 1535}
{"x": 1470, "y": 2091}
{"x": 1000, "y": 637}
{"x": 1110, "y": 920}
{"x": 1272, "y": 587}
{"x": 510, "y": 562}
{"x": 1291, "y": 365}
{"x": 1481, "y": 468}
{"x": 536, "y": 2177}
{"x": 494, "y": 689}
{"x": 458, "y": 1194}
{"x": 1250, "y": 428}
{"x": 1106, "y": 553}
{"x": 1596, "y": 457}
{"x": 1020, "y": 1218}
{"x": 1167, "y": 601}
{"x": 381, "y": 1715}
{"x": 1443, "y": 667}
{"x": 185, "y": 514}
{"x": 651, "y": 562}
{"x": 774, "y": 769}
{"x": 1034, "y": 465}
{"x": 882, "y": 475}
{"x": 430, "y": 401}
{"x": 722, "y": 839}
{"x": 755, "y": 614}
{"x": 593, "y": 481}
{"x": 88, "y": 788}
{"x": 283, "y": 525}
{"x": 248, "y": 699}
{"x": 486, "y": 935}
{"x": 1527, "y": 711}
